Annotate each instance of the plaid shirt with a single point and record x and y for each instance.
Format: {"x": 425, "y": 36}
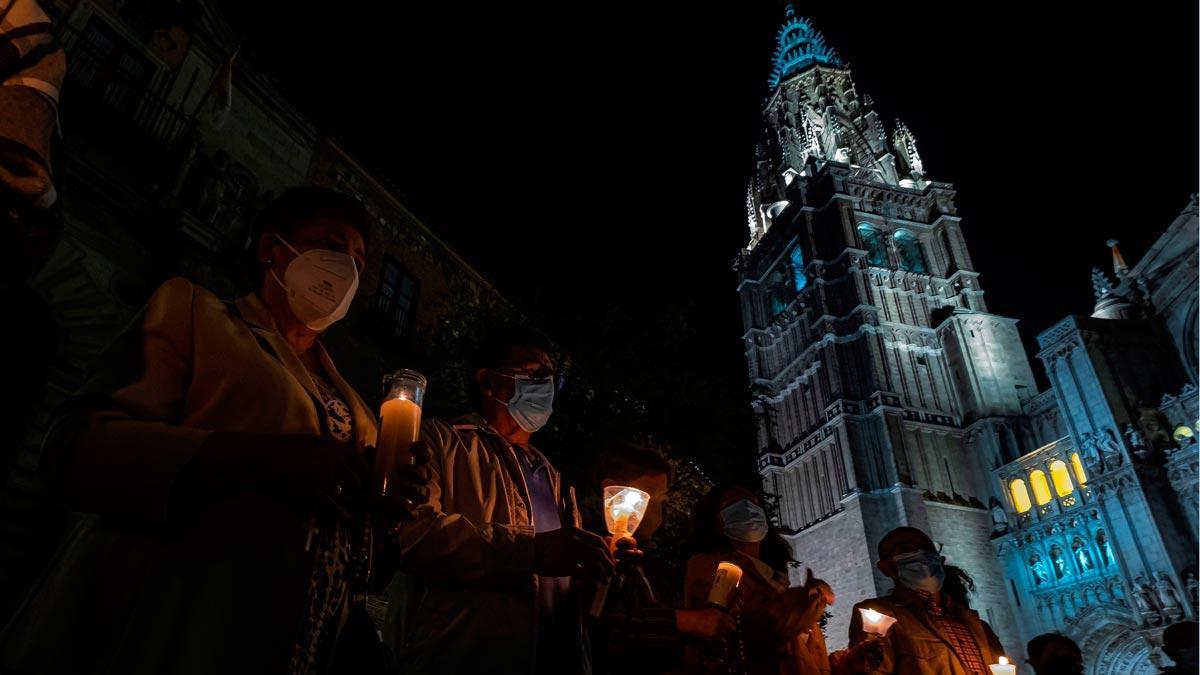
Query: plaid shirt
{"x": 945, "y": 616}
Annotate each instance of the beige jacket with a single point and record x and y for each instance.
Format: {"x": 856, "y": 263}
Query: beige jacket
{"x": 914, "y": 645}
{"x": 464, "y": 599}
{"x": 133, "y": 590}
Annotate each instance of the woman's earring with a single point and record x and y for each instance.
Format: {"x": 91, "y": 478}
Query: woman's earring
{"x": 270, "y": 261}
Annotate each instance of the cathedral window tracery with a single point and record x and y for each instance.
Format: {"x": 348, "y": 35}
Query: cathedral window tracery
{"x": 799, "y": 278}
{"x": 1061, "y": 478}
{"x": 1020, "y": 495}
{"x": 1041, "y": 488}
{"x": 908, "y": 250}
{"x": 1077, "y": 464}
{"x": 873, "y": 244}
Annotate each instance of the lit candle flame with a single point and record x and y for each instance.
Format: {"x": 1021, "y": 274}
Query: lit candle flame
{"x": 1004, "y": 660}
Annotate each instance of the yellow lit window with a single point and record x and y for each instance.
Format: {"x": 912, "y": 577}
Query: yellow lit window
{"x": 1182, "y": 433}
{"x": 1061, "y": 477}
{"x": 1020, "y": 495}
{"x": 1077, "y": 464}
{"x": 1041, "y": 489}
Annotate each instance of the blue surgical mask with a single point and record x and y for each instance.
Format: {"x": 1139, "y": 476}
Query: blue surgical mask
{"x": 532, "y": 401}
{"x": 920, "y": 571}
{"x": 744, "y": 521}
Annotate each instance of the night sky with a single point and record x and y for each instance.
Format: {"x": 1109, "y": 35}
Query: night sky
{"x": 585, "y": 151}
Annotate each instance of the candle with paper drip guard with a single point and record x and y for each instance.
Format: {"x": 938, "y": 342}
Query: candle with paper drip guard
{"x": 623, "y": 511}
{"x": 727, "y": 578}
{"x": 1004, "y": 667}
{"x": 875, "y": 622}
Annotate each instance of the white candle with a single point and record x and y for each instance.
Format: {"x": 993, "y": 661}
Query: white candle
{"x": 874, "y": 622}
{"x": 1003, "y": 668}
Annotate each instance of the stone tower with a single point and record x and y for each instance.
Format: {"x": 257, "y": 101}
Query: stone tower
{"x": 886, "y": 391}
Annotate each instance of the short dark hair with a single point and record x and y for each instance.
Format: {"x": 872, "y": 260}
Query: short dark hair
{"x": 495, "y": 349}
{"x": 296, "y": 206}
{"x": 625, "y": 461}
{"x": 887, "y": 545}
{"x": 1038, "y": 644}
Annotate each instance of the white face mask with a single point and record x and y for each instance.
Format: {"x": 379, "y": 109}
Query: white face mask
{"x": 320, "y": 285}
{"x": 920, "y": 571}
{"x": 744, "y": 521}
{"x": 532, "y": 401}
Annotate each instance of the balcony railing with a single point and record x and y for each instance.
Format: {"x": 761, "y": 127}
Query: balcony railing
{"x": 107, "y": 91}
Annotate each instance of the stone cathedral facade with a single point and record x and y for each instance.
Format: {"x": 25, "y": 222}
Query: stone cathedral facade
{"x": 889, "y": 395}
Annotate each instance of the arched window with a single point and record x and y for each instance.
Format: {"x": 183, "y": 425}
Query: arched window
{"x": 912, "y": 258}
{"x": 872, "y": 242}
{"x": 1061, "y": 478}
{"x": 1077, "y": 464}
{"x": 1020, "y": 495}
{"x": 1041, "y": 489}
{"x": 799, "y": 278}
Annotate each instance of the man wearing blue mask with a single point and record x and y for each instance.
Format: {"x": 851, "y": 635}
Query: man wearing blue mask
{"x": 935, "y": 630}
{"x": 491, "y": 563}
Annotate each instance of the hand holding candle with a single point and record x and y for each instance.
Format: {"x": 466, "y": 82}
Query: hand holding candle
{"x": 623, "y": 511}
{"x": 875, "y": 622}
{"x": 1004, "y": 667}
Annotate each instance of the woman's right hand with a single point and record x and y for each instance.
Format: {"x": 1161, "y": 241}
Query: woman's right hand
{"x": 313, "y": 470}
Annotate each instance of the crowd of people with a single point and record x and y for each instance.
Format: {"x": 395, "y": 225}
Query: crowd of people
{"x": 224, "y": 467}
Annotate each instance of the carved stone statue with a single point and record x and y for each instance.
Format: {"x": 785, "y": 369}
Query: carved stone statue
{"x": 1134, "y": 439}
{"x": 999, "y": 517}
{"x": 1082, "y": 555}
{"x": 1193, "y": 589}
{"x": 1089, "y": 450}
{"x": 1038, "y": 568}
{"x": 1110, "y": 450}
{"x": 1106, "y": 552}
{"x": 1149, "y": 602}
{"x": 1061, "y": 569}
{"x": 1171, "y": 604}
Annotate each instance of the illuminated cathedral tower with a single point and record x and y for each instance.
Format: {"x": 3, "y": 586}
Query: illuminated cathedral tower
{"x": 887, "y": 392}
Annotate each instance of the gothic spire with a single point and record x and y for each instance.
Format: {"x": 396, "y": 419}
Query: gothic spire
{"x": 797, "y": 46}
{"x": 1119, "y": 267}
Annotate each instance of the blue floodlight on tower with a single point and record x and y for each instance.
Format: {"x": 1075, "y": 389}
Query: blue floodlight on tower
{"x": 798, "y": 46}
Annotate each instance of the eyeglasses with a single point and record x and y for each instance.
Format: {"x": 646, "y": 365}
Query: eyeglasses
{"x": 537, "y": 376}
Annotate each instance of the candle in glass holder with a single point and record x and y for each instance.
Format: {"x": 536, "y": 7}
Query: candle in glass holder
{"x": 875, "y": 622}
{"x": 400, "y": 423}
{"x": 1003, "y": 668}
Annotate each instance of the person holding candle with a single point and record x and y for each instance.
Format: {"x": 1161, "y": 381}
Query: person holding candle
{"x": 218, "y": 456}
{"x": 779, "y": 632}
{"x": 637, "y": 631}
{"x": 933, "y": 632}
{"x": 491, "y": 567}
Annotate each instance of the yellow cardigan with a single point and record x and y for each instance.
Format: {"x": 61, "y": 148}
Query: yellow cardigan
{"x": 133, "y": 590}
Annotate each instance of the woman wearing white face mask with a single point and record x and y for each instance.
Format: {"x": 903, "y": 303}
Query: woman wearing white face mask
{"x": 219, "y": 457}
{"x": 778, "y": 629}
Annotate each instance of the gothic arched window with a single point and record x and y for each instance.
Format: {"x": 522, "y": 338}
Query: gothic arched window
{"x": 908, "y": 247}
{"x": 872, "y": 242}
{"x": 799, "y": 279}
{"x": 1020, "y": 495}
{"x": 1041, "y": 488}
{"x": 1061, "y": 478}
{"x": 1077, "y": 464}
